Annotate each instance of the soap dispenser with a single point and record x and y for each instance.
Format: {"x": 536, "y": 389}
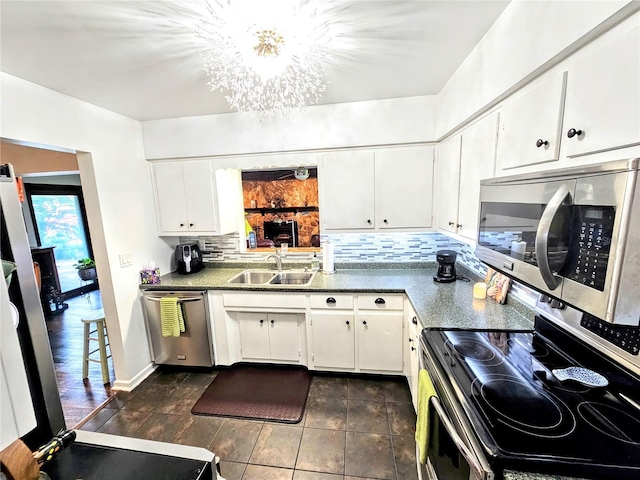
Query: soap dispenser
{"x": 315, "y": 263}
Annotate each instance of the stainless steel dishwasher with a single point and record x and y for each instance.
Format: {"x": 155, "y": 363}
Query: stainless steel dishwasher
{"x": 194, "y": 346}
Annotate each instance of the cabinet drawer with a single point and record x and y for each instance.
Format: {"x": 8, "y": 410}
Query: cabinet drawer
{"x": 331, "y": 300}
{"x": 379, "y": 302}
{"x": 263, "y": 300}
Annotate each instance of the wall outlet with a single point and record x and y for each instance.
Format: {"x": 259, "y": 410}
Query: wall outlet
{"x": 125, "y": 260}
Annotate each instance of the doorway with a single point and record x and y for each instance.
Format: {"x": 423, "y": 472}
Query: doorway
{"x": 53, "y": 184}
{"x": 60, "y": 221}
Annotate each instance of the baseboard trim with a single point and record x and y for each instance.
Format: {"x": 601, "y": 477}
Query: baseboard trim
{"x": 127, "y": 386}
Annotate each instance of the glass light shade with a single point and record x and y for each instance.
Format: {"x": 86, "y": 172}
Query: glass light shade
{"x": 268, "y": 56}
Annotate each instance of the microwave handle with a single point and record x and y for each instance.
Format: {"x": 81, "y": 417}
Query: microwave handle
{"x": 542, "y": 237}
{"x": 464, "y": 450}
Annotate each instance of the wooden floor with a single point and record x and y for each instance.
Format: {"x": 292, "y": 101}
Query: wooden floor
{"x": 79, "y": 398}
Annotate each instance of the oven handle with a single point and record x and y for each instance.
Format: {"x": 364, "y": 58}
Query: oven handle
{"x": 542, "y": 237}
{"x": 466, "y": 453}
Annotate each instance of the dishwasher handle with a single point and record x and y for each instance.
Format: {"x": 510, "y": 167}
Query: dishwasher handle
{"x": 180, "y": 300}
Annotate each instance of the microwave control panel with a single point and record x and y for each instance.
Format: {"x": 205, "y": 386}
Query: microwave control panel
{"x": 591, "y": 242}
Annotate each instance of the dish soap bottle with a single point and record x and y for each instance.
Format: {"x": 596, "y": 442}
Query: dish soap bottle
{"x": 315, "y": 263}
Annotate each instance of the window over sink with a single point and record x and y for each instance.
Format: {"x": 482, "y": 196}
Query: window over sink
{"x": 281, "y": 206}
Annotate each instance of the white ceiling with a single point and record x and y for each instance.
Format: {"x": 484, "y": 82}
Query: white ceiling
{"x": 141, "y": 58}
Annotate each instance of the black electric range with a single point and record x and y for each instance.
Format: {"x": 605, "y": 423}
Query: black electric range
{"x": 528, "y": 420}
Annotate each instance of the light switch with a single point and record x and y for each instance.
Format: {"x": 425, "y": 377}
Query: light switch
{"x": 125, "y": 260}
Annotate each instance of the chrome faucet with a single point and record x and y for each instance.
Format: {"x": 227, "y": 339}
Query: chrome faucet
{"x": 278, "y": 258}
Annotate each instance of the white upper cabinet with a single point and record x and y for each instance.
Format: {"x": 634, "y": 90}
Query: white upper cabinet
{"x": 386, "y": 188}
{"x": 403, "y": 186}
{"x": 477, "y": 162}
{"x": 531, "y": 125}
{"x": 193, "y": 200}
{"x": 448, "y": 184}
{"x": 171, "y": 203}
{"x": 463, "y": 161}
{"x": 603, "y": 96}
{"x": 347, "y": 180}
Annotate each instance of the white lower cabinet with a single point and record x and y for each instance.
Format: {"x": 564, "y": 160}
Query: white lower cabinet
{"x": 380, "y": 341}
{"x": 272, "y": 336}
{"x": 362, "y": 334}
{"x": 342, "y": 332}
{"x": 412, "y": 353}
{"x": 333, "y": 340}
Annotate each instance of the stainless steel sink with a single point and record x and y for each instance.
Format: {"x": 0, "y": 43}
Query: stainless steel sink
{"x": 292, "y": 278}
{"x": 253, "y": 277}
{"x": 272, "y": 277}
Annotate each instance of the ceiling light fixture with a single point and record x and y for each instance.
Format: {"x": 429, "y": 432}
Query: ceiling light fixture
{"x": 270, "y": 56}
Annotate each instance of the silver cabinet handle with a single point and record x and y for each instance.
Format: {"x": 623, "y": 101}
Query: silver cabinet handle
{"x": 464, "y": 450}
{"x": 180, "y": 300}
{"x": 542, "y": 237}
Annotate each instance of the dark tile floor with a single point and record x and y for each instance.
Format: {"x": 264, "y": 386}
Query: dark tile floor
{"x": 353, "y": 428}
{"x": 66, "y": 331}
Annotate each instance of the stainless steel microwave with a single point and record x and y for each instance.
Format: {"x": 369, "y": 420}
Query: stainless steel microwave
{"x": 572, "y": 234}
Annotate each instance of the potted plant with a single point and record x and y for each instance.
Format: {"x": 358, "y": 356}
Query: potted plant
{"x": 86, "y": 269}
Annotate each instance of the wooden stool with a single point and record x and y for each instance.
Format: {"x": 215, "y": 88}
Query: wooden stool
{"x": 95, "y": 319}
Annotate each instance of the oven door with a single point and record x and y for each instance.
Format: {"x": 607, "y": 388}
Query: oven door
{"x": 448, "y": 456}
{"x": 453, "y": 452}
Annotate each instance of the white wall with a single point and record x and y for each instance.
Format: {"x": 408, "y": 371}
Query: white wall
{"x": 379, "y": 122}
{"x": 117, "y": 187}
{"x": 527, "y": 35}
{"x": 70, "y": 179}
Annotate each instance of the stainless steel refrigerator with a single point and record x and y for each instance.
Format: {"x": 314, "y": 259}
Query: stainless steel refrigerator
{"x": 31, "y": 329}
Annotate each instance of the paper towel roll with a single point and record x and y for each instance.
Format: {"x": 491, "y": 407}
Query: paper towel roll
{"x": 518, "y": 247}
{"x": 328, "y": 258}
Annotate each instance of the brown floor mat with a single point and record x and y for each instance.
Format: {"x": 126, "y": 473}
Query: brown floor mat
{"x": 274, "y": 393}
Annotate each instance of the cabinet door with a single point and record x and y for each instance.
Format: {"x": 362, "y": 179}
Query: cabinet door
{"x": 171, "y": 204}
{"x": 254, "y": 336}
{"x": 333, "y": 340}
{"x": 380, "y": 341}
{"x": 284, "y": 337}
{"x": 199, "y": 187}
{"x": 477, "y": 161}
{"x": 414, "y": 360}
{"x": 448, "y": 183}
{"x": 347, "y": 180}
{"x": 530, "y": 121}
{"x": 603, "y": 97}
{"x": 404, "y": 187}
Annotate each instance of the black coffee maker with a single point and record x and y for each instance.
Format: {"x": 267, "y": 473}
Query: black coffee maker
{"x": 188, "y": 258}
{"x": 446, "y": 266}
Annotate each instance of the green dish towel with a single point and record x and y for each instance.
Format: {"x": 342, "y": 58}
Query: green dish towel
{"x": 426, "y": 390}
{"x": 171, "y": 317}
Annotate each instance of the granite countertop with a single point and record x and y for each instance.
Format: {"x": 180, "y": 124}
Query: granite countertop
{"x": 436, "y": 304}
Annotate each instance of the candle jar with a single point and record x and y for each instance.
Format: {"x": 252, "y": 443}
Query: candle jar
{"x": 480, "y": 291}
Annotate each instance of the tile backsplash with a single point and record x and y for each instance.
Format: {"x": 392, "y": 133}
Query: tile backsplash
{"x": 356, "y": 248}
{"x": 349, "y": 248}
{"x": 389, "y": 247}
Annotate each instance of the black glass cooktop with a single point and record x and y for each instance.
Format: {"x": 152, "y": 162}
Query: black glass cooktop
{"x": 526, "y": 417}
